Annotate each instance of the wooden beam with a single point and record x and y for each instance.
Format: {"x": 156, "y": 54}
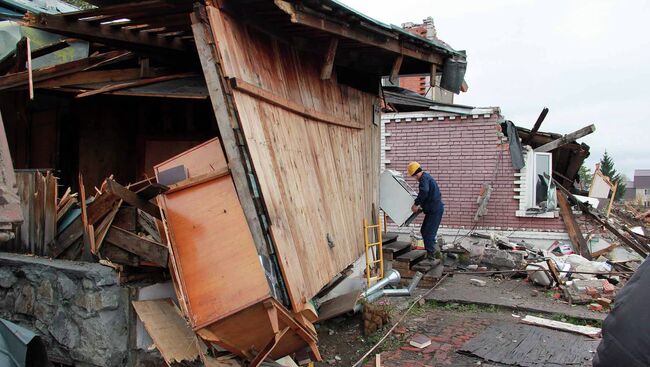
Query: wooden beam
{"x": 30, "y": 79}
{"x": 394, "y": 71}
{"x": 132, "y": 198}
{"x": 639, "y": 248}
{"x": 566, "y": 139}
{"x": 349, "y": 32}
{"x": 432, "y": 78}
{"x": 288, "y": 105}
{"x": 22, "y": 78}
{"x": 330, "y": 55}
{"x": 611, "y": 200}
{"x": 145, "y": 249}
{"x": 268, "y": 348}
{"x": 97, "y": 76}
{"x": 136, "y": 83}
{"x": 104, "y": 33}
{"x": 575, "y": 234}
{"x": 537, "y": 125}
{"x": 197, "y": 180}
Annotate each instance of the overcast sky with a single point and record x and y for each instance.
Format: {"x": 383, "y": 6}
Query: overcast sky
{"x": 587, "y": 61}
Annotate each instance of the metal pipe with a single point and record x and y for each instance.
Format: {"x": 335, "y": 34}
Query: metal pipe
{"x": 392, "y": 277}
{"x": 403, "y": 292}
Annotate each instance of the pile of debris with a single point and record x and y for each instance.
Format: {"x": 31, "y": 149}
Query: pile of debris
{"x": 117, "y": 226}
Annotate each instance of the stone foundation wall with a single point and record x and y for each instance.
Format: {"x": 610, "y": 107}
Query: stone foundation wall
{"x": 79, "y": 309}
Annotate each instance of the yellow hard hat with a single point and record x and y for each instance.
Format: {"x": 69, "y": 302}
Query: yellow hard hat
{"x": 412, "y": 167}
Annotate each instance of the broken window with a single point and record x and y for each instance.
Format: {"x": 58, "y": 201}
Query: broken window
{"x": 536, "y": 191}
{"x": 541, "y": 179}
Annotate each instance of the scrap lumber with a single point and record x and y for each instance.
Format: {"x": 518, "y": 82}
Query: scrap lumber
{"x": 118, "y": 256}
{"x": 104, "y": 226}
{"x": 589, "y": 331}
{"x": 575, "y": 234}
{"x": 150, "y": 225}
{"x": 70, "y": 235}
{"x": 169, "y": 330}
{"x": 146, "y": 249}
{"x": 96, "y": 76}
{"x": 597, "y": 254}
{"x": 126, "y": 218}
{"x": 88, "y": 235}
{"x": 639, "y": 248}
{"x": 566, "y": 139}
{"x": 152, "y": 190}
{"x": 20, "y": 79}
{"x": 132, "y": 198}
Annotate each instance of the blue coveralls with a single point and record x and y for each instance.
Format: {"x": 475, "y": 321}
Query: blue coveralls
{"x": 430, "y": 200}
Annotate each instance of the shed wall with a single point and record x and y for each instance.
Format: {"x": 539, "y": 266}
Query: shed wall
{"x": 317, "y": 179}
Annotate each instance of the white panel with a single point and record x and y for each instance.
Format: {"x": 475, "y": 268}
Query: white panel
{"x": 395, "y": 196}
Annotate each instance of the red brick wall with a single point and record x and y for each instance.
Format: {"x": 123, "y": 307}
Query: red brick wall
{"x": 416, "y": 84}
{"x": 462, "y": 154}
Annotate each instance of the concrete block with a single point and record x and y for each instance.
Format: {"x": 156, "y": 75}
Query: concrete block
{"x": 504, "y": 258}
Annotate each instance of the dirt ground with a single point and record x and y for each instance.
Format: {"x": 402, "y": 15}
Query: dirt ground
{"x": 448, "y": 325}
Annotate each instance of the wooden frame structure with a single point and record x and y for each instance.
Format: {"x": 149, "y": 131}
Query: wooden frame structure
{"x": 268, "y": 213}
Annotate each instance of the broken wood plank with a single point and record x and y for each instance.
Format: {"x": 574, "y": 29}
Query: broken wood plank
{"x": 105, "y": 225}
{"x": 132, "y": 198}
{"x": 170, "y": 332}
{"x": 146, "y": 249}
{"x": 88, "y": 248}
{"x": 66, "y": 238}
{"x": 589, "y": 331}
{"x": 573, "y": 229}
{"x": 268, "y": 348}
{"x": 126, "y": 218}
{"x": 21, "y": 78}
{"x": 597, "y": 254}
{"x": 96, "y": 76}
{"x": 152, "y": 190}
{"x": 149, "y": 224}
{"x": 197, "y": 180}
{"x": 30, "y": 79}
{"x": 135, "y": 83}
{"x": 292, "y": 106}
{"x": 537, "y": 125}
{"x": 566, "y": 139}
{"x": 101, "y": 206}
{"x": 328, "y": 64}
{"x": 118, "y": 256}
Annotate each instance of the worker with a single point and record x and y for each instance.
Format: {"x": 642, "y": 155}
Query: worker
{"x": 429, "y": 201}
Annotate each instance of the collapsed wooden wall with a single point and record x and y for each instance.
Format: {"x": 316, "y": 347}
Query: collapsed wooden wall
{"x": 314, "y": 149}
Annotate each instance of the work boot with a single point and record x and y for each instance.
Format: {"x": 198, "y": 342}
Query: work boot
{"x": 430, "y": 255}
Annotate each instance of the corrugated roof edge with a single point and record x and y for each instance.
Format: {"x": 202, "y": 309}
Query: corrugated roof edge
{"x": 391, "y": 27}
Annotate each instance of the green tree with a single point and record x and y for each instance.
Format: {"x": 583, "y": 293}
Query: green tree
{"x": 585, "y": 177}
{"x": 607, "y": 168}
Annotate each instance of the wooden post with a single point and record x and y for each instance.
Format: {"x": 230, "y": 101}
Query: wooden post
{"x": 394, "y": 73}
{"x": 328, "y": 65}
{"x": 29, "y": 70}
{"x": 572, "y": 226}
{"x": 432, "y": 80}
{"x": 611, "y": 200}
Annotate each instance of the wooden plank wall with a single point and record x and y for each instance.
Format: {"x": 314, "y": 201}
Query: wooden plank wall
{"x": 37, "y": 194}
{"x": 317, "y": 178}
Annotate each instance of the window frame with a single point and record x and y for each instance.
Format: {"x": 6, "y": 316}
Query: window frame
{"x": 533, "y": 176}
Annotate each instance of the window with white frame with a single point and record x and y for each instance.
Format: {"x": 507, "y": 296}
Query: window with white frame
{"x": 534, "y": 180}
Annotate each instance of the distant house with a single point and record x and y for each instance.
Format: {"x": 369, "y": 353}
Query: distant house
{"x": 466, "y": 148}
{"x": 639, "y": 190}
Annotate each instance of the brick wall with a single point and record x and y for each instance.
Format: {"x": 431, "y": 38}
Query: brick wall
{"x": 462, "y": 153}
{"x": 418, "y": 84}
